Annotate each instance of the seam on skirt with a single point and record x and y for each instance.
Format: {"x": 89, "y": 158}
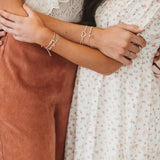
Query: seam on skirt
{"x": 1, "y": 149}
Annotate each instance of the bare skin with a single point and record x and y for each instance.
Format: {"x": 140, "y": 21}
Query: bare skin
{"x": 81, "y": 55}
{"x": 114, "y": 42}
{"x": 71, "y": 29}
{"x": 102, "y": 39}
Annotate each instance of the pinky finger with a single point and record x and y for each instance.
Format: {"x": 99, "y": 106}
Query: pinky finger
{"x": 125, "y": 61}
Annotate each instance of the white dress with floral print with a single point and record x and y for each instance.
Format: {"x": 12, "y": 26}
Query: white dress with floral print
{"x": 117, "y": 117}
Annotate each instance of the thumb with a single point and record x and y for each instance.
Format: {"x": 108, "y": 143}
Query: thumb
{"x": 29, "y": 10}
{"x": 132, "y": 28}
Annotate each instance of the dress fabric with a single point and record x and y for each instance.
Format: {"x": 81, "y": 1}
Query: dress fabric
{"x": 66, "y": 10}
{"x": 35, "y": 98}
{"x": 117, "y": 117}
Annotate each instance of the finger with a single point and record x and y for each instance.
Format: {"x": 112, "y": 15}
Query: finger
{"x": 134, "y": 48}
{"x": 157, "y": 54}
{"x": 7, "y": 29}
{"x": 2, "y": 33}
{"x": 132, "y": 28}
{"x": 156, "y": 59}
{"x": 157, "y": 67}
{"x": 29, "y": 10}
{"x": 130, "y": 55}
{"x": 125, "y": 61}
{"x": 10, "y": 16}
{"x": 7, "y": 23}
{"x": 138, "y": 40}
{"x": 1, "y": 43}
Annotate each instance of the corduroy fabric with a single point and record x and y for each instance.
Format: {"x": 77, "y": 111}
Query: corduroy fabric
{"x": 35, "y": 96}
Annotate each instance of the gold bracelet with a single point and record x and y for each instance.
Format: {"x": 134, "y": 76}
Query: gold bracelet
{"x": 51, "y": 41}
{"x": 90, "y": 35}
{"x": 52, "y": 44}
{"x": 83, "y": 35}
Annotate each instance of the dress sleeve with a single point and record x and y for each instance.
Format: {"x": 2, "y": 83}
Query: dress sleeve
{"x": 45, "y": 6}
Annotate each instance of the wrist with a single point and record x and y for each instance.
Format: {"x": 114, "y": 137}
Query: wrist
{"x": 44, "y": 36}
{"x": 95, "y": 37}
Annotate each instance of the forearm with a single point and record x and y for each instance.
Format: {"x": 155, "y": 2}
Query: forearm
{"x": 74, "y": 52}
{"x": 83, "y": 56}
{"x": 67, "y": 30}
{"x": 86, "y": 57}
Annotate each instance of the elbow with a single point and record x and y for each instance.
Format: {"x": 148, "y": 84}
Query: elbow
{"x": 106, "y": 73}
{"x": 110, "y": 69}
{"x": 105, "y": 69}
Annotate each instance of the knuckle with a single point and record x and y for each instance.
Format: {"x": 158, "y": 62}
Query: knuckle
{"x": 117, "y": 56}
{"x": 124, "y": 44}
{"x": 128, "y": 36}
{"x": 122, "y": 51}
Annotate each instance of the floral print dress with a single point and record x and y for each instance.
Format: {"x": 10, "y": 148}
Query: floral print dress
{"x": 117, "y": 117}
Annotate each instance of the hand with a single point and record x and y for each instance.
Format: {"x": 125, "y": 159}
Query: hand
{"x": 26, "y": 29}
{"x": 156, "y": 65}
{"x": 2, "y": 34}
{"x": 157, "y": 56}
{"x": 119, "y": 42}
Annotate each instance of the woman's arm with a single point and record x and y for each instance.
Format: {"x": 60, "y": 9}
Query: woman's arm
{"x": 73, "y": 31}
{"x": 114, "y": 41}
{"x": 81, "y": 55}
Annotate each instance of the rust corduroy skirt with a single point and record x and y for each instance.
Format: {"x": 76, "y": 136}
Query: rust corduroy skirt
{"x": 35, "y": 96}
